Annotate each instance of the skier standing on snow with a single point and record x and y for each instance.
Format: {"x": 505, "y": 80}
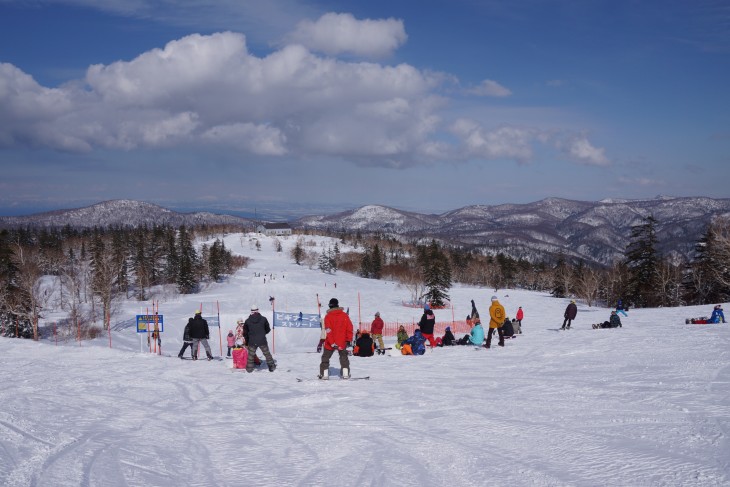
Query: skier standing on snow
{"x": 338, "y": 330}
{"x": 199, "y": 332}
{"x": 231, "y": 341}
{"x": 376, "y": 330}
{"x": 255, "y": 329}
{"x": 570, "y": 313}
{"x": 520, "y": 314}
{"x": 428, "y": 320}
{"x": 187, "y": 341}
{"x": 496, "y": 319}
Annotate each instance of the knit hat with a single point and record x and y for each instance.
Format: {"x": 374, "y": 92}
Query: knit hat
{"x": 377, "y": 313}
{"x": 448, "y": 328}
{"x": 426, "y": 307}
{"x": 254, "y": 308}
{"x": 197, "y": 311}
{"x": 494, "y": 298}
{"x": 334, "y": 303}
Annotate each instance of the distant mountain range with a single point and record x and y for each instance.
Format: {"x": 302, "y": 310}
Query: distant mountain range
{"x": 597, "y": 232}
{"x": 593, "y": 231}
{"x": 124, "y": 213}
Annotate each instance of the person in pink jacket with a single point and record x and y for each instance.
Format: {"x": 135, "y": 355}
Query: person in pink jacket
{"x": 231, "y": 340}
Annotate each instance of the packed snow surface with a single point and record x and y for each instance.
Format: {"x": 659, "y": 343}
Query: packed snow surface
{"x": 646, "y": 404}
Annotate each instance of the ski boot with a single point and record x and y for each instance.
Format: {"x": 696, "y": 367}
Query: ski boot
{"x": 272, "y": 367}
{"x": 324, "y": 375}
{"x": 345, "y": 373}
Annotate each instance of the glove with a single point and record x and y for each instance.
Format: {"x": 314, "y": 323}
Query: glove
{"x": 334, "y": 346}
{"x": 472, "y": 303}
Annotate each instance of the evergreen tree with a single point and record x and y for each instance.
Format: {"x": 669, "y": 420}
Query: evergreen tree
{"x": 376, "y": 262}
{"x": 187, "y": 263}
{"x": 171, "y": 267}
{"x": 324, "y": 262}
{"x": 436, "y": 272}
{"x": 643, "y": 263}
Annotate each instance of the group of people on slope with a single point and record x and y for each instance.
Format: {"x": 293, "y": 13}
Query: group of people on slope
{"x": 251, "y": 333}
{"x": 499, "y": 323}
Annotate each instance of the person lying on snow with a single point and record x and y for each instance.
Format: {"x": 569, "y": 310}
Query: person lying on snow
{"x": 364, "y": 345}
{"x": 415, "y": 345}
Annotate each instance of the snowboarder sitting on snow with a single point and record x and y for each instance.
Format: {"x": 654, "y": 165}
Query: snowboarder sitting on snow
{"x": 476, "y": 337}
{"x": 507, "y": 329}
{"x": 448, "y": 338}
{"x": 614, "y": 322}
{"x": 415, "y": 345}
{"x": 364, "y": 346}
{"x": 717, "y": 315}
{"x": 402, "y": 336}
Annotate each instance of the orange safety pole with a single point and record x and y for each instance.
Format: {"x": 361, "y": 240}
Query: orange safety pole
{"x": 359, "y": 313}
{"x": 453, "y": 321}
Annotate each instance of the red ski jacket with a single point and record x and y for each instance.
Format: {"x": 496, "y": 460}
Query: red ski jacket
{"x": 376, "y": 328}
{"x": 520, "y": 314}
{"x": 339, "y": 329}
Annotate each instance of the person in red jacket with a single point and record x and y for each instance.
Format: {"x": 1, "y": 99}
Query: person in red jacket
{"x": 519, "y": 317}
{"x": 338, "y": 327}
{"x": 376, "y": 330}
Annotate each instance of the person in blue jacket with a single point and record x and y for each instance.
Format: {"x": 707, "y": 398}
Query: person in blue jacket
{"x": 717, "y": 315}
{"x": 477, "y": 335}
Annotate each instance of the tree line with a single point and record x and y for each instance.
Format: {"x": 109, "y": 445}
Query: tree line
{"x": 642, "y": 278}
{"x": 85, "y": 271}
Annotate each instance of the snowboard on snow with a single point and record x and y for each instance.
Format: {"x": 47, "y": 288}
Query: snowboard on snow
{"x": 300, "y": 379}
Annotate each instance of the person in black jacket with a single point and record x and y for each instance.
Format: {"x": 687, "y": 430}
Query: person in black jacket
{"x": 199, "y": 332}
{"x": 449, "y": 338}
{"x": 364, "y": 345}
{"x": 187, "y": 341}
{"x": 428, "y": 320}
{"x": 255, "y": 329}
{"x": 570, "y": 312}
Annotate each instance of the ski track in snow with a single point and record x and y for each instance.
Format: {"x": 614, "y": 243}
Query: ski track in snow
{"x": 648, "y": 404}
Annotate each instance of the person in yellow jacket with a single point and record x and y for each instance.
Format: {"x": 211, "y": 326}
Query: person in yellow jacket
{"x": 496, "y": 319}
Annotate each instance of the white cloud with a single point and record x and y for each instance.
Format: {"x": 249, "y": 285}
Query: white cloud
{"x": 204, "y": 90}
{"x": 490, "y": 87}
{"x": 582, "y": 151}
{"x": 335, "y": 33}
{"x": 502, "y": 143}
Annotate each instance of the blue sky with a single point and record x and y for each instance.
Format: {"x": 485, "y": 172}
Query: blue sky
{"x": 425, "y": 106}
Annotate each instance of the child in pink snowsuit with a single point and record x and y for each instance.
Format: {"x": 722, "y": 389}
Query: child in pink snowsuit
{"x": 231, "y": 340}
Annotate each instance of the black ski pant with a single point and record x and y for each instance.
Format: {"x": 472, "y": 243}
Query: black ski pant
{"x": 327, "y": 354}
{"x": 184, "y": 347}
{"x": 568, "y": 321}
{"x": 501, "y": 337}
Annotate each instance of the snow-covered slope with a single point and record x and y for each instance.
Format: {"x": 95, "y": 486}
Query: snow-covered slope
{"x": 646, "y": 404}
